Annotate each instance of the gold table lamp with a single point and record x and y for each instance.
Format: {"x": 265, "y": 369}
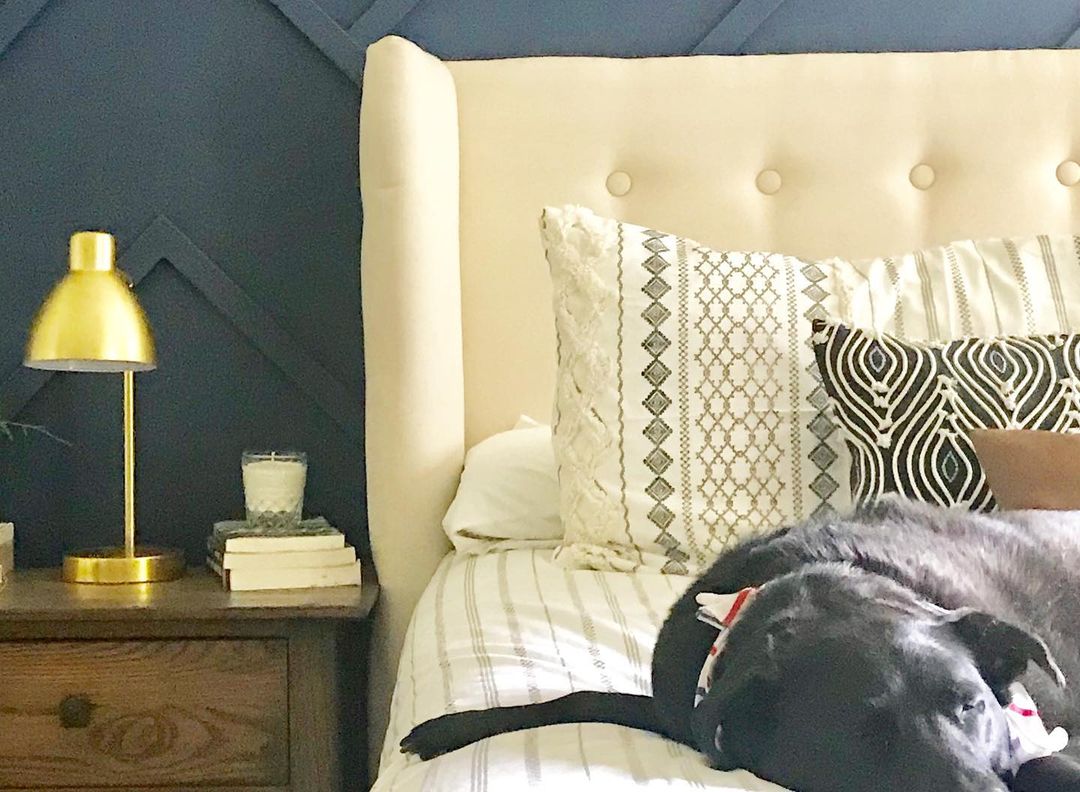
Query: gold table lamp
{"x": 91, "y": 321}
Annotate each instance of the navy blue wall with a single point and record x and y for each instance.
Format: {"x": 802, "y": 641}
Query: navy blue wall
{"x": 217, "y": 139}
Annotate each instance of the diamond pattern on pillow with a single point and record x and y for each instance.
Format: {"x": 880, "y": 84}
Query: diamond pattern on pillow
{"x": 686, "y": 400}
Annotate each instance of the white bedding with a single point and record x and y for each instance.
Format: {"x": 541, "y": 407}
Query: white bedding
{"x": 510, "y": 628}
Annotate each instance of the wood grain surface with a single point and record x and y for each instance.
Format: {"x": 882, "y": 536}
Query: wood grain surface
{"x": 206, "y": 712}
{"x": 41, "y": 595}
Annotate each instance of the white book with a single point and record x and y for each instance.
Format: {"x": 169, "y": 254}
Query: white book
{"x": 339, "y": 556}
{"x": 279, "y": 544}
{"x": 287, "y": 578}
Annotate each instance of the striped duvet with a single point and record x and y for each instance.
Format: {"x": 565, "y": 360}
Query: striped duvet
{"x": 511, "y": 628}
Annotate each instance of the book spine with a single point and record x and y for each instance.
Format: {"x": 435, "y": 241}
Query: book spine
{"x": 286, "y": 559}
{"x": 300, "y": 579}
{"x": 214, "y": 566}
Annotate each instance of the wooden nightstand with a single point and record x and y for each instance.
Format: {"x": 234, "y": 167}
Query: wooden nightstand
{"x": 181, "y": 685}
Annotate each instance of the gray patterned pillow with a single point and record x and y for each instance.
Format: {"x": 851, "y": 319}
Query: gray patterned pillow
{"x": 906, "y": 408}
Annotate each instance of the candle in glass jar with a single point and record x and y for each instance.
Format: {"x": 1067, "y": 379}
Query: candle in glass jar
{"x": 274, "y": 483}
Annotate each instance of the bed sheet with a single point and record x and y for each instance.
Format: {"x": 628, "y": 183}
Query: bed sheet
{"x": 511, "y": 628}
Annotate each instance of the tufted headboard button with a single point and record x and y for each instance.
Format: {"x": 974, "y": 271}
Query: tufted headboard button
{"x": 619, "y": 183}
{"x": 769, "y": 182}
{"x": 922, "y": 176}
{"x": 1068, "y": 173}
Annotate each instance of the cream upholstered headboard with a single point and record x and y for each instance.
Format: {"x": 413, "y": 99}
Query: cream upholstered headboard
{"x": 813, "y": 155}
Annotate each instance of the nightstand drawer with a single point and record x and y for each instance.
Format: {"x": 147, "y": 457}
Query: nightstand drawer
{"x": 144, "y": 713}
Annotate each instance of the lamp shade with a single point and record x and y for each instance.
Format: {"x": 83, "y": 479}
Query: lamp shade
{"x": 91, "y": 320}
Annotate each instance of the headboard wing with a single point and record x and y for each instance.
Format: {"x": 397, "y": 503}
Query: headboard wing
{"x": 411, "y": 289}
{"x": 824, "y": 154}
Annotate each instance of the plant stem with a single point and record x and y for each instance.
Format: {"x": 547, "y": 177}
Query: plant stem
{"x": 9, "y": 428}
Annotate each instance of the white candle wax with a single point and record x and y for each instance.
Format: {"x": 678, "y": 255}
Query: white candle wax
{"x": 275, "y": 485}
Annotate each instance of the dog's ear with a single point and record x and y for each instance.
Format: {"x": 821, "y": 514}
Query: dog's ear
{"x": 733, "y": 722}
{"x": 1001, "y": 650}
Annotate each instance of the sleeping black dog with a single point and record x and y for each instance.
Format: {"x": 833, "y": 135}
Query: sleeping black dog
{"x": 875, "y": 655}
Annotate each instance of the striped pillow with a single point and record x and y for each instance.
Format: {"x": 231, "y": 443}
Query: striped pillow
{"x": 993, "y": 287}
{"x": 689, "y": 411}
{"x": 907, "y": 409}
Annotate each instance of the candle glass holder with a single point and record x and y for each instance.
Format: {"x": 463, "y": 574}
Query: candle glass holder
{"x": 274, "y": 489}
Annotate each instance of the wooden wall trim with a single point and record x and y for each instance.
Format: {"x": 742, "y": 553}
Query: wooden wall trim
{"x": 15, "y": 15}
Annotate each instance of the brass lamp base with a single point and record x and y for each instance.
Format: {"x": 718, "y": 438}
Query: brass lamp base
{"x": 114, "y": 565}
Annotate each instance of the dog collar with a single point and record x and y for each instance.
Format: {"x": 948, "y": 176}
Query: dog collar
{"x": 1028, "y": 736}
{"x": 720, "y": 611}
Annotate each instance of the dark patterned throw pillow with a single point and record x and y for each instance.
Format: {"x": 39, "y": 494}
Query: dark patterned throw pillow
{"x": 906, "y": 408}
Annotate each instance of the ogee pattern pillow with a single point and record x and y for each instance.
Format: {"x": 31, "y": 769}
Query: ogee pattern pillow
{"x": 906, "y": 409}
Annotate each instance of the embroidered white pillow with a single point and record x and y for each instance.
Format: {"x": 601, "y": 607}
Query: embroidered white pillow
{"x": 689, "y": 413}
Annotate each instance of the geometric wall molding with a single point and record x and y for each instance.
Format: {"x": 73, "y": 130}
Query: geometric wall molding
{"x": 736, "y": 27}
{"x": 16, "y": 15}
{"x": 381, "y": 18}
{"x": 326, "y": 34}
{"x": 163, "y": 241}
{"x": 346, "y": 48}
{"x": 194, "y": 130}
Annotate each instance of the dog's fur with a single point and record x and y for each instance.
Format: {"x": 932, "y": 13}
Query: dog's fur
{"x": 875, "y": 657}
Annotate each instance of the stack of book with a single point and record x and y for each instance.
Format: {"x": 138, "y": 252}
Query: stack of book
{"x": 312, "y": 555}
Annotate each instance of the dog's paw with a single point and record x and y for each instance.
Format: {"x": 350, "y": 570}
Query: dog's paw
{"x": 445, "y": 734}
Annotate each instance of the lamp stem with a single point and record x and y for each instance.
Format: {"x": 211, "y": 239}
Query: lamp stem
{"x": 129, "y": 464}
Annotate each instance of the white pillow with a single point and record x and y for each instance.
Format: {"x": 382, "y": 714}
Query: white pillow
{"x": 509, "y": 493}
{"x": 686, "y": 397}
